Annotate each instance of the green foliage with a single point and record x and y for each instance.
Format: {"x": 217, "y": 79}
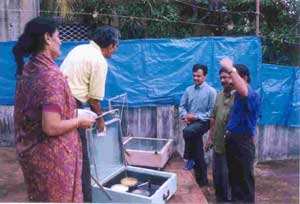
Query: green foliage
{"x": 279, "y": 27}
{"x": 139, "y": 19}
{"x": 279, "y": 21}
{"x": 280, "y": 32}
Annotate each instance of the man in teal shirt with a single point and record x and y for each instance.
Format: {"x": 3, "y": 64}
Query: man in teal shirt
{"x": 195, "y": 109}
{"x": 219, "y": 118}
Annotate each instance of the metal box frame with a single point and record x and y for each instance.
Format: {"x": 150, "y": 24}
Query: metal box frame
{"x": 106, "y": 154}
{"x": 148, "y": 152}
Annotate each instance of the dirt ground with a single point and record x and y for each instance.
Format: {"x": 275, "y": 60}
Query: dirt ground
{"x": 276, "y": 181}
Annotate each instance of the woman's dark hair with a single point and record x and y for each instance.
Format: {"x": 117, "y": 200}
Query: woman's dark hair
{"x": 32, "y": 39}
{"x": 106, "y": 35}
{"x": 200, "y": 66}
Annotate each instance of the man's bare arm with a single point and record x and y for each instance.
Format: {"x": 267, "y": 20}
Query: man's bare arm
{"x": 96, "y": 107}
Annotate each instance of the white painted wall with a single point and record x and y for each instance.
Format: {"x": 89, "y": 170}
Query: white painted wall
{"x": 14, "y": 14}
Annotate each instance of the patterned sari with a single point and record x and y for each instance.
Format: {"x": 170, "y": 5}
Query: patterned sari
{"x": 51, "y": 164}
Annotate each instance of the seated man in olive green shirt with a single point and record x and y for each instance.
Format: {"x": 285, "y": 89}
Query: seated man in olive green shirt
{"x": 218, "y": 122}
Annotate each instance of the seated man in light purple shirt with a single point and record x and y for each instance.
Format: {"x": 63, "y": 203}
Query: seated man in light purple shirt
{"x": 195, "y": 108}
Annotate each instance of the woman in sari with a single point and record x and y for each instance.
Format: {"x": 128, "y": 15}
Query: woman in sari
{"x": 47, "y": 140}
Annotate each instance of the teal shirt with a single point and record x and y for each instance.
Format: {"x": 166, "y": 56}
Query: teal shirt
{"x": 198, "y": 100}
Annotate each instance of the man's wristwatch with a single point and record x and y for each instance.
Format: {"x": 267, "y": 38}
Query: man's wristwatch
{"x": 232, "y": 70}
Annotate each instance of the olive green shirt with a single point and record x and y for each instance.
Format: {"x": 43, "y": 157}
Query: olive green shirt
{"x": 221, "y": 114}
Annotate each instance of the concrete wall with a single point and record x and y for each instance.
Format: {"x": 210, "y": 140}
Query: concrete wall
{"x": 6, "y": 126}
{"x": 14, "y": 14}
{"x": 272, "y": 142}
{"x": 277, "y": 142}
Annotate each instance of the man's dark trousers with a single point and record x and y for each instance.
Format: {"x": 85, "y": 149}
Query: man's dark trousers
{"x": 220, "y": 177}
{"x": 193, "y": 138}
{"x": 86, "y": 171}
{"x": 240, "y": 153}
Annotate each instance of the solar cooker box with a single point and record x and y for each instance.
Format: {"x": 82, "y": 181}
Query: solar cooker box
{"x": 148, "y": 152}
{"x": 108, "y": 168}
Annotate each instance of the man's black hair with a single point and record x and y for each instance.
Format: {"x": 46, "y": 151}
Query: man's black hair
{"x": 200, "y": 66}
{"x": 106, "y": 35}
{"x": 243, "y": 71}
{"x": 222, "y": 70}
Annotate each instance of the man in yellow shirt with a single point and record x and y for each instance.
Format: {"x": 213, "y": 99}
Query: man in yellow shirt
{"x": 86, "y": 68}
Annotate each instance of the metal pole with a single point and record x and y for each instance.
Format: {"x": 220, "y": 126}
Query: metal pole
{"x": 257, "y": 18}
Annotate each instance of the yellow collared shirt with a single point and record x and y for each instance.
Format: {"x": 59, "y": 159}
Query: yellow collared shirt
{"x": 86, "y": 68}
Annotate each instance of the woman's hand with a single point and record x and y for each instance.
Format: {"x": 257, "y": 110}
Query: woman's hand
{"x": 53, "y": 125}
{"x": 85, "y": 122}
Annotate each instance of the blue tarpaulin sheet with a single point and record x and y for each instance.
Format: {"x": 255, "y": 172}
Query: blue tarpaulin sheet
{"x": 280, "y": 95}
{"x": 155, "y": 72}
